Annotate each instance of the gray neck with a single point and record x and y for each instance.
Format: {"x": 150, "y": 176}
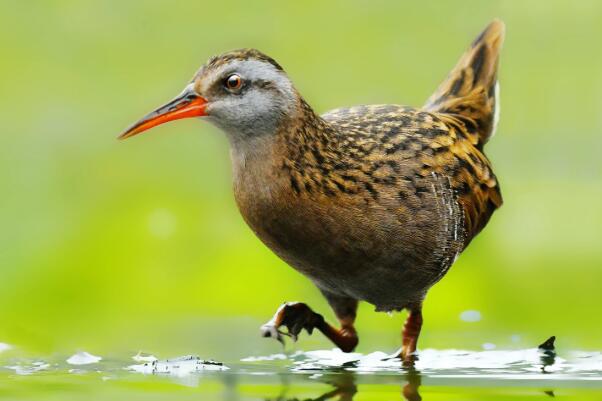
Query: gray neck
{"x": 252, "y": 156}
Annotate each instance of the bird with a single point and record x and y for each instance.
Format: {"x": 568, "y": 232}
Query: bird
{"x": 372, "y": 203}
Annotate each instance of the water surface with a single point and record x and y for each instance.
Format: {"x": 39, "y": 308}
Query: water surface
{"x": 313, "y": 375}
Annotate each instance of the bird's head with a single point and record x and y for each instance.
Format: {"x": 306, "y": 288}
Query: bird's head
{"x": 244, "y": 92}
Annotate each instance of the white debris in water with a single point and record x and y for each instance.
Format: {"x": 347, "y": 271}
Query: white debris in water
{"x": 141, "y": 357}
{"x": 586, "y": 362}
{"x": 182, "y": 366}
{"x": 527, "y": 360}
{"x": 316, "y": 360}
{"x": 5, "y": 347}
{"x": 83, "y": 358}
{"x": 525, "y": 364}
{"x": 334, "y": 357}
{"x": 470, "y": 316}
{"x": 375, "y": 362}
{"x": 444, "y": 363}
{"x": 273, "y": 357}
{"x": 28, "y": 369}
{"x": 162, "y": 223}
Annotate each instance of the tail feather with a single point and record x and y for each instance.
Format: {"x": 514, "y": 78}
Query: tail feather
{"x": 470, "y": 92}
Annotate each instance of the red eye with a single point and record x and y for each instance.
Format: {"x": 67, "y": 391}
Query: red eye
{"x": 233, "y": 82}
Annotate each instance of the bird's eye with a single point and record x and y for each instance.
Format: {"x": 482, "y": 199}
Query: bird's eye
{"x": 233, "y": 82}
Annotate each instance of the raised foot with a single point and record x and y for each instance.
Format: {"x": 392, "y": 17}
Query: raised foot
{"x": 295, "y": 316}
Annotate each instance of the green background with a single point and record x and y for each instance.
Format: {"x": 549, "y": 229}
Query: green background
{"x": 109, "y": 246}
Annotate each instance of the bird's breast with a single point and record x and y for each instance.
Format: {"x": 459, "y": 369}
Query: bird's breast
{"x": 345, "y": 245}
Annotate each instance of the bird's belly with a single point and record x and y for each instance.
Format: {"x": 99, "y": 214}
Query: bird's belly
{"x": 368, "y": 254}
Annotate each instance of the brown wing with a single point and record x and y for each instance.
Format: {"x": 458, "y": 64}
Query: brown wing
{"x": 401, "y": 148}
{"x": 471, "y": 174}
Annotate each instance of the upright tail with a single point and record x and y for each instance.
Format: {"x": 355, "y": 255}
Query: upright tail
{"x": 470, "y": 92}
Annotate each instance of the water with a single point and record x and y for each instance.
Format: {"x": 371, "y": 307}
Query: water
{"x": 313, "y": 375}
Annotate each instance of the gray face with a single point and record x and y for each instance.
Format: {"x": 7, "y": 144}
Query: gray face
{"x": 257, "y": 107}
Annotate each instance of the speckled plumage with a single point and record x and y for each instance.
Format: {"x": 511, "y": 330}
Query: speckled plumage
{"x": 372, "y": 203}
{"x": 375, "y": 202}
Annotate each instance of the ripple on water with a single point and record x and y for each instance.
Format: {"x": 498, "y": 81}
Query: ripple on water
{"x": 180, "y": 366}
{"x": 28, "y": 368}
{"x": 498, "y": 365}
{"x": 524, "y": 364}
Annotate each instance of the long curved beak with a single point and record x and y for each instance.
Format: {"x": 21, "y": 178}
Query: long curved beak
{"x": 188, "y": 104}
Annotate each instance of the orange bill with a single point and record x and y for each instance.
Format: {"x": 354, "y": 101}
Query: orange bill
{"x": 188, "y": 104}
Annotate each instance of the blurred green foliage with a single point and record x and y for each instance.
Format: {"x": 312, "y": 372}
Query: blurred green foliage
{"x": 138, "y": 244}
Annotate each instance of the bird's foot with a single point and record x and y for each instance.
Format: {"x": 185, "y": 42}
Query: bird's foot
{"x": 295, "y": 316}
{"x": 407, "y": 357}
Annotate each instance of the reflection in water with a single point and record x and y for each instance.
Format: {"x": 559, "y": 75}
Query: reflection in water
{"x": 345, "y": 388}
{"x": 410, "y": 390}
{"x": 344, "y": 384}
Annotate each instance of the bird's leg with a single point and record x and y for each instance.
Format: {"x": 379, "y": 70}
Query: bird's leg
{"x": 411, "y": 331}
{"x": 345, "y": 310}
{"x": 296, "y": 316}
